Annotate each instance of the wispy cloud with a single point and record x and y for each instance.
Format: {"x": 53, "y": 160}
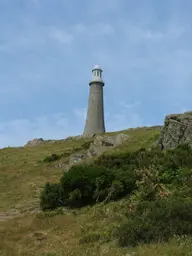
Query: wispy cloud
{"x": 127, "y": 116}
{"x": 19, "y": 131}
{"x": 61, "y": 36}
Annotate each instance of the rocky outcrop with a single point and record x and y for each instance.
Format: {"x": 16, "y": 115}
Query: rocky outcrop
{"x": 37, "y": 141}
{"x": 34, "y": 142}
{"x": 78, "y": 137}
{"x": 104, "y": 143}
{"x": 76, "y": 158}
{"x": 177, "y": 130}
{"x": 100, "y": 144}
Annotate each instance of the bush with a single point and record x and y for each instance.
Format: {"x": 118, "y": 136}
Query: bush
{"x": 170, "y": 163}
{"x": 50, "y": 197}
{"x": 114, "y": 176}
{"x": 90, "y": 237}
{"x": 174, "y": 162}
{"x": 131, "y": 160}
{"x": 81, "y": 182}
{"x": 156, "y": 221}
{"x": 83, "y": 185}
{"x": 52, "y": 158}
{"x": 86, "y": 145}
{"x": 127, "y": 179}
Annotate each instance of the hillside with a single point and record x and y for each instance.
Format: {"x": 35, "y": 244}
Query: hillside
{"x": 25, "y": 230}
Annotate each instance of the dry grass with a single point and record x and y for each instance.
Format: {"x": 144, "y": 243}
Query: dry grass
{"x": 41, "y": 235}
{"x": 23, "y": 174}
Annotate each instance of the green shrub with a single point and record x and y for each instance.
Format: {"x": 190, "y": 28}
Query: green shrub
{"x": 131, "y": 160}
{"x": 170, "y": 163}
{"x": 127, "y": 179}
{"x": 52, "y": 158}
{"x": 51, "y": 213}
{"x": 81, "y": 182}
{"x": 156, "y": 221}
{"x": 90, "y": 237}
{"x": 55, "y": 157}
{"x": 148, "y": 184}
{"x": 84, "y": 184}
{"x": 86, "y": 145}
{"x": 153, "y": 173}
{"x": 174, "y": 162}
{"x": 50, "y": 197}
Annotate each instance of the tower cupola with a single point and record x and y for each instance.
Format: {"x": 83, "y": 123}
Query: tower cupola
{"x": 96, "y": 75}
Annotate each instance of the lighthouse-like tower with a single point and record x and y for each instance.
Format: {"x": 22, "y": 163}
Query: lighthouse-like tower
{"x": 95, "y": 123}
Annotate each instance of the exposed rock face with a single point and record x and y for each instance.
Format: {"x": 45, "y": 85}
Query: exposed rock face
{"x": 34, "y": 142}
{"x": 99, "y": 145}
{"x": 104, "y": 143}
{"x": 38, "y": 141}
{"x": 73, "y": 137}
{"x": 177, "y": 129}
{"x": 76, "y": 158}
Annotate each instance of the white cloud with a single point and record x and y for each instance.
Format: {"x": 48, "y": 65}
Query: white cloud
{"x": 37, "y": 2}
{"x": 126, "y": 116}
{"x": 81, "y": 113}
{"x": 61, "y": 36}
{"x": 58, "y": 126}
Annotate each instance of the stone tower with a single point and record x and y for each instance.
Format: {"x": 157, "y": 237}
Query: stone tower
{"x": 95, "y": 123}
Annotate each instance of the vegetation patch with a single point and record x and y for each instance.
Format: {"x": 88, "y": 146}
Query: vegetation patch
{"x": 156, "y": 221}
{"x": 137, "y": 198}
{"x": 157, "y": 182}
{"x": 83, "y": 185}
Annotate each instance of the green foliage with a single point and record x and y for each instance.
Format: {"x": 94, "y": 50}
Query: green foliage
{"x": 84, "y": 184}
{"x": 86, "y": 145}
{"x": 156, "y": 221}
{"x": 51, "y": 213}
{"x": 170, "y": 163}
{"x": 127, "y": 178}
{"x": 149, "y": 173}
{"x": 55, "y": 157}
{"x": 50, "y": 197}
{"x": 148, "y": 184}
{"x": 80, "y": 184}
{"x": 52, "y": 158}
{"x": 90, "y": 237}
{"x": 130, "y": 160}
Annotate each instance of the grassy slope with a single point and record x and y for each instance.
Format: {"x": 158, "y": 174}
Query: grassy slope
{"x": 22, "y": 175}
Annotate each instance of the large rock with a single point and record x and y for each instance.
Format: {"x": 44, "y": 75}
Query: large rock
{"x": 100, "y": 144}
{"x": 78, "y": 137}
{"x": 76, "y": 158}
{"x": 34, "y": 142}
{"x": 104, "y": 143}
{"x": 177, "y": 130}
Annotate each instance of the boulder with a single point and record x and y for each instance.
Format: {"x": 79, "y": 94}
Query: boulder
{"x": 78, "y": 137}
{"x": 76, "y": 158}
{"x": 177, "y": 130}
{"x": 104, "y": 143}
{"x": 120, "y": 138}
{"x": 34, "y": 142}
{"x": 100, "y": 144}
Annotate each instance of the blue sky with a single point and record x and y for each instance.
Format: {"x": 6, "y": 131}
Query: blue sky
{"x": 48, "y": 48}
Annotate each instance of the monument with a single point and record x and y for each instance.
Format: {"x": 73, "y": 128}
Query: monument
{"x": 95, "y": 123}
